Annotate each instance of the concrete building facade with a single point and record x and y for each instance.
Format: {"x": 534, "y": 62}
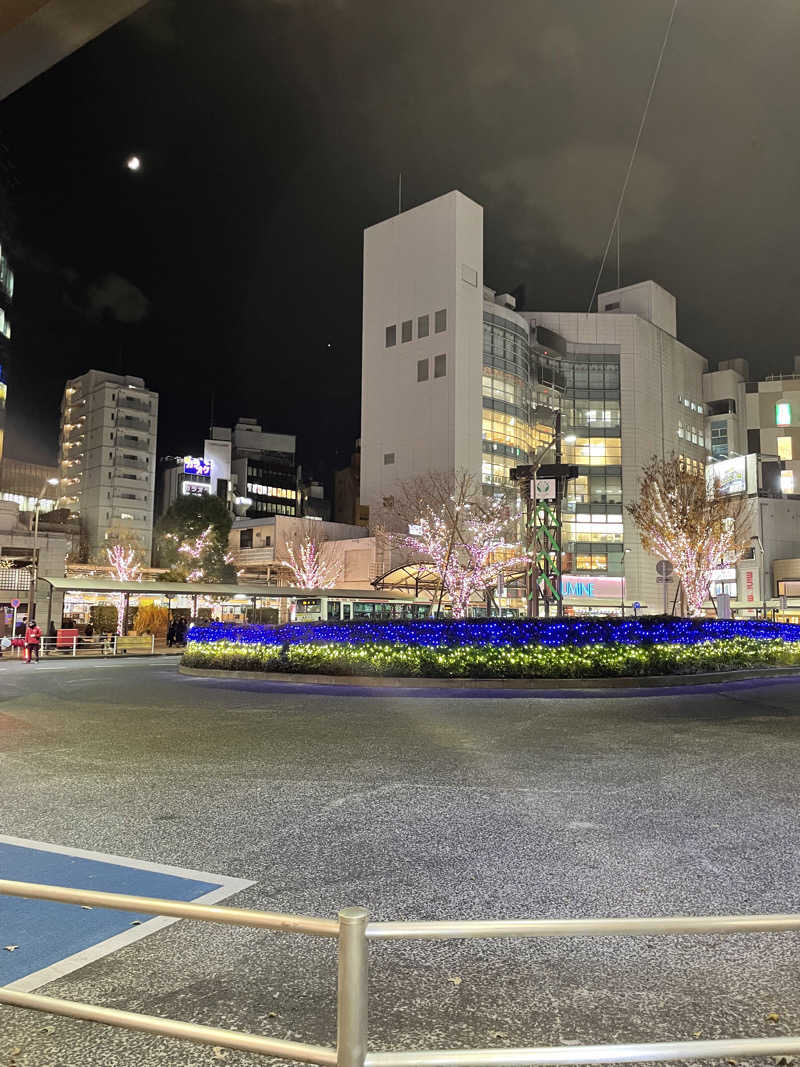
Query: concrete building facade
{"x": 107, "y": 460}
{"x": 421, "y": 351}
{"x": 259, "y": 550}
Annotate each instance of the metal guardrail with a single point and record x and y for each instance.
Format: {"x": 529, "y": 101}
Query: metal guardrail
{"x": 354, "y": 932}
{"x": 78, "y": 645}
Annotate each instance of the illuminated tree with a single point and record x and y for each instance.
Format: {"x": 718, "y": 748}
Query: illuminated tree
{"x": 125, "y": 568}
{"x": 689, "y": 521}
{"x": 310, "y": 566}
{"x": 201, "y": 558}
{"x": 192, "y": 541}
{"x": 466, "y": 538}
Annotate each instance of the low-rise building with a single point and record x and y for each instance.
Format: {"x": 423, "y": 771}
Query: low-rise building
{"x": 260, "y": 550}
{"x": 19, "y": 543}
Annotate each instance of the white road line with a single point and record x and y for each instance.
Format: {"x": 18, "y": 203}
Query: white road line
{"x": 227, "y": 887}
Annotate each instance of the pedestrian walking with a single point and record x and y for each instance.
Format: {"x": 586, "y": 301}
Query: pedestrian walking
{"x": 33, "y": 639}
{"x": 173, "y": 626}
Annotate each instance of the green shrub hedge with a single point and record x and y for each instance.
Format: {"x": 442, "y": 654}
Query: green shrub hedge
{"x": 470, "y": 661}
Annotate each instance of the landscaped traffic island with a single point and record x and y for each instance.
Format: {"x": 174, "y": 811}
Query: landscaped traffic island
{"x": 497, "y": 648}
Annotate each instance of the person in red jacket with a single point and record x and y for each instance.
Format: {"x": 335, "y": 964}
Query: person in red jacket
{"x": 33, "y": 638}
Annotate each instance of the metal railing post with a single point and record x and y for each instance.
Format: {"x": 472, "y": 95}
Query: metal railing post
{"x": 351, "y": 1028}
{"x": 74, "y": 646}
{"x": 152, "y": 644}
{"x": 114, "y": 645}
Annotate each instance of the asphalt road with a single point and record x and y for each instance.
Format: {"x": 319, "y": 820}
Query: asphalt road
{"x": 637, "y": 803}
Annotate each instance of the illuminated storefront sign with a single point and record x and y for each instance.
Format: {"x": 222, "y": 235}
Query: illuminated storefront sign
{"x": 197, "y": 465}
{"x": 194, "y": 489}
{"x": 584, "y": 588}
{"x": 730, "y": 474}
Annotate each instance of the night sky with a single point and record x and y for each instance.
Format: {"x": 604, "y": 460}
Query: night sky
{"x": 271, "y": 132}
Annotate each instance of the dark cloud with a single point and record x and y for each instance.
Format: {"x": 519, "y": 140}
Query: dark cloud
{"x": 117, "y": 297}
{"x": 273, "y": 132}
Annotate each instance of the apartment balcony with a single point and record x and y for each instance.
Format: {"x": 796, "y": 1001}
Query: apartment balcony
{"x": 138, "y": 465}
{"x": 132, "y": 422}
{"x": 132, "y": 443}
{"x": 132, "y": 404}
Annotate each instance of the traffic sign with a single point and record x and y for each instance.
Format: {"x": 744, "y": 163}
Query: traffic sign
{"x": 15, "y": 603}
{"x": 664, "y": 568}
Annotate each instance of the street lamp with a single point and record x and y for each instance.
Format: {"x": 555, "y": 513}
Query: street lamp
{"x": 757, "y": 540}
{"x": 35, "y": 524}
{"x": 625, "y": 552}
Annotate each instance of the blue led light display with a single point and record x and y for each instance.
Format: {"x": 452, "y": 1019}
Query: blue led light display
{"x": 451, "y": 633}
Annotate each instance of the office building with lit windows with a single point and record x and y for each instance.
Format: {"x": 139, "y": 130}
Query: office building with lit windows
{"x": 455, "y": 377}
{"x": 107, "y": 460}
{"x": 253, "y": 471}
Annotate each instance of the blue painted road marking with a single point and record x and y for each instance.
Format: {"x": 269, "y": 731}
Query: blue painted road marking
{"x": 53, "y": 938}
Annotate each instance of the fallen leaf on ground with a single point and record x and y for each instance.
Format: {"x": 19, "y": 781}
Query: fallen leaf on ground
{"x": 136, "y": 922}
{"x": 86, "y": 907}
{"x": 697, "y": 1033}
{"x": 219, "y": 1052}
{"x": 773, "y": 1017}
{"x": 454, "y": 978}
{"x": 11, "y": 948}
{"x": 498, "y": 1034}
{"x": 47, "y": 1030}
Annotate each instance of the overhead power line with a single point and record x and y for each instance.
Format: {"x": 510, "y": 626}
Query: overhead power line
{"x": 632, "y": 160}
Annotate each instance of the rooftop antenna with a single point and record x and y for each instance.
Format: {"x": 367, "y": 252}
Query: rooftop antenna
{"x": 211, "y": 414}
{"x": 400, "y": 193}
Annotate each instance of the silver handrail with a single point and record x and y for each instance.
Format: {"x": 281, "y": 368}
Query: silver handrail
{"x": 152, "y": 1024}
{"x": 180, "y": 909}
{"x": 444, "y": 929}
{"x": 354, "y": 932}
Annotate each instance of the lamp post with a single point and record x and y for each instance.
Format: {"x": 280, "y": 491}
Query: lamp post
{"x": 757, "y": 540}
{"x": 625, "y": 552}
{"x": 35, "y": 523}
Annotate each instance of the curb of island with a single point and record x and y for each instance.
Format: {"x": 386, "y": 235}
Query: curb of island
{"x": 649, "y": 681}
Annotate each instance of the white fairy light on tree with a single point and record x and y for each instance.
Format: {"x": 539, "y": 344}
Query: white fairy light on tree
{"x": 125, "y": 568}
{"x": 310, "y": 569}
{"x": 689, "y": 521}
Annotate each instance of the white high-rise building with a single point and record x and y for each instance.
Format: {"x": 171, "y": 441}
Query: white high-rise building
{"x": 107, "y": 459}
{"x": 455, "y": 378}
{"x": 422, "y": 344}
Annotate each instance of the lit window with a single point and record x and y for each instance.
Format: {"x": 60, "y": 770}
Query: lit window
{"x": 422, "y": 370}
{"x": 787, "y": 482}
{"x": 440, "y": 367}
{"x": 388, "y": 459}
{"x": 423, "y": 326}
{"x": 783, "y": 414}
{"x": 391, "y": 336}
{"x": 784, "y": 448}
{"x": 406, "y": 331}
{"x": 440, "y": 321}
